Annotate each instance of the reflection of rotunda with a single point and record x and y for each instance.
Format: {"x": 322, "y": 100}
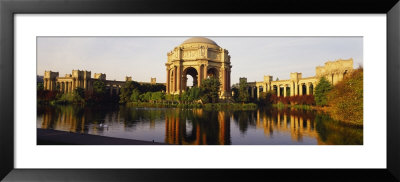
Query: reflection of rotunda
{"x": 200, "y": 58}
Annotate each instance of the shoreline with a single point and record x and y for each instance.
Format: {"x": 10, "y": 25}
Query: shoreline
{"x": 55, "y": 137}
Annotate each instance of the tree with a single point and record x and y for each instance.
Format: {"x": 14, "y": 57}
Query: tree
{"x": 79, "y": 92}
{"x": 40, "y": 86}
{"x": 243, "y": 93}
{"x": 99, "y": 87}
{"x": 235, "y": 94}
{"x": 135, "y": 95}
{"x": 126, "y": 91}
{"x": 321, "y": 92}
{"x": 210, "y": 90}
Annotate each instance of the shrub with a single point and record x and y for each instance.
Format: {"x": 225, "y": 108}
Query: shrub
{"x": 346, "y": 98}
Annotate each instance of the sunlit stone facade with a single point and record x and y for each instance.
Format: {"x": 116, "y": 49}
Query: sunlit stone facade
{"x": 333, "y": 71}
{"x": 200, "y": 58}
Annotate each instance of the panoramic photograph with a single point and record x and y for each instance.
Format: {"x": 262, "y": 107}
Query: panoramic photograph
{"x": 211, "y": 90}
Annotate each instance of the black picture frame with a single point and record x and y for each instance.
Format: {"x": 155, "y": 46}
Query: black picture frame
{"x": 8, "y": 8}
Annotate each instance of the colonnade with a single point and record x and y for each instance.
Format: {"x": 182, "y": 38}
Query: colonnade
{"x": 69, "y": 85}
{"x": 284, "y": 89}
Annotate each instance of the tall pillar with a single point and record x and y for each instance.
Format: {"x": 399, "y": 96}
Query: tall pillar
{"x": 296, "y": 88}
{"x": 73, "y": 84}
{"x": 264, "y": 87}
{"x": 258, "y": 91}
{"x": 292, "y": 90}
{"x": 223, "y": 76}
{"x": 205, "y": 71}
{"x": 284, "y": 91}
{"x": 229, "y": 80}
{"x": 44, "y": 84}
{"x": 278, "y": 90}
{"x": 167, "y": 82}
{"x": 179, "y": 79}
{"x": 84, "y": 84}
{"x": 199, "y": 72}
{"x": 70, "y": 87}
{"x": 175, "y": 79}
{"x": 252, "y": 92}
{"x": 308, "y": 88}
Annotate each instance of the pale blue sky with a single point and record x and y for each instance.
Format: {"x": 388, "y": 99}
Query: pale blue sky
{"x": 145, "y": 57}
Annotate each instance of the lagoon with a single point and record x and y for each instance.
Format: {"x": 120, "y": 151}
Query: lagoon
{"x": 264, "y": 126}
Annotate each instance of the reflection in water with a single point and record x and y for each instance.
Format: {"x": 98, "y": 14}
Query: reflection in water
{"x": 199, "y": 127}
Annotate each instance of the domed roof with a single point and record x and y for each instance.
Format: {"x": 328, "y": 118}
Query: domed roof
{"x": 199, "y": 40}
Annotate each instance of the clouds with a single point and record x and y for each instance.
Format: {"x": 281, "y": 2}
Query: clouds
{"x": 145, "y": 57}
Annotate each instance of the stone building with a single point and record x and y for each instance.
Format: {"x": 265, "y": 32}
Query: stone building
{"x": 80, "y": 78}
{"x": 333, "y": 71}
{"x": 200, "y": 58}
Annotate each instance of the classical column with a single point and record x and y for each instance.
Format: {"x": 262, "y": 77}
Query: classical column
{"x": 284, "y": 91}
{"x": 258, "y": 91}
{"x": 179, "y": 77}
{"x": 264, "y": 87}
{"x": 278, "y": 90}
{"x": 84, "y": 84}
{"x": 44, "y": 84}
{"x": 205, "y": 71}
{"x": 308, "y": 88}
{"x": 175, "y": 79}
{"x": 199, "y": 76}
{"x": 296, "y": 88}
{"x": 73, "y": 84}
{"x": 229, "y": 80}
{"x": 223, "y": 79}
{"x": 292, "y": 90}
{"x": 167, "y": 82}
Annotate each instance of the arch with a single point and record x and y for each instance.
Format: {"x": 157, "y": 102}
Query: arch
{"x": 212, "y": 72}
{"x": 193, "y": 73}
{"x": 275, "y": 89}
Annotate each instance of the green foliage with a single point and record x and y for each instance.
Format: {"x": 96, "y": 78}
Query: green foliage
{"x": 235, "y": 93}
{"x": 157, "y": 96}
{"x": 346, "y": 99}
{"x": 243, "y": 93}
{"x": 39, "y": 86}
{"x": 210, "y": 90}
{"x": 70, "y": 98}
{"x": 99, "y": 87}
{"x": 80, "y": 92}
{"x": 126, "y": 91}
{"x": 321, "y": 92}
{"x": 135, "y": 96}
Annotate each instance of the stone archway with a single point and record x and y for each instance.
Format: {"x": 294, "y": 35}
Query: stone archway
{"x": 212, "y": 72}
{"x": 194, "y": 74}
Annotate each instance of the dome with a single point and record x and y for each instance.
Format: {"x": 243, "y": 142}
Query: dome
{"x": 199, "y": 40}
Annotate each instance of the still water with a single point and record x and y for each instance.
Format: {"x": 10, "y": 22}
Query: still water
{"x": 201, "y": 127}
